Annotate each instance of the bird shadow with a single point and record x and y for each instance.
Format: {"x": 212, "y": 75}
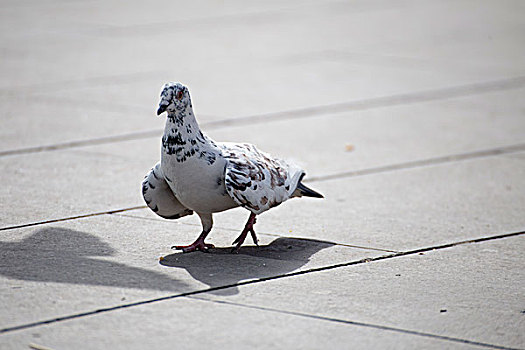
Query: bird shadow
{"x": 68, "y": 256}
{"x": 63, "y": 255}
{"x": 220, "y": 268}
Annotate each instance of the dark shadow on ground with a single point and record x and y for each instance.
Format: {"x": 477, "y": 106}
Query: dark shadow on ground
{"x": 66, "y": 256}
{"x": 219, "y": 267}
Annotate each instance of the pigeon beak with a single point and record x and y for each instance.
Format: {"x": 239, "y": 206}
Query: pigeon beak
{"x": 161, "y": 110}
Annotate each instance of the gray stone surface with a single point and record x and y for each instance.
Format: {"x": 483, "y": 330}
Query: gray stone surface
{"x": 419, "y": 146}
{"x": 289, "y": 58}
{"x": 117, "y": 167}
{"x": 67, "y": 183}
{"x": 414, "y": 208}
{"x": 472, "y": 291}
{"x": 117, "y": 259}
{"x": 376, "y": 137}
{"x": 197, "y": 324}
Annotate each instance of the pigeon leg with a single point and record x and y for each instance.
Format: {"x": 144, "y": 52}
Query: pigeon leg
{"x": 207, "y": 223}
{"x": 247, "y": 228}
{"x": 197, "y": 245}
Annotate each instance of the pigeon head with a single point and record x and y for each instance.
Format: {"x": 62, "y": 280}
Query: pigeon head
{"x": 174, "y": 97}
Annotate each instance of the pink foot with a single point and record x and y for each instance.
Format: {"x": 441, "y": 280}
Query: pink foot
{"x": 197, "y": 245}
{"x": 248, "y": 228}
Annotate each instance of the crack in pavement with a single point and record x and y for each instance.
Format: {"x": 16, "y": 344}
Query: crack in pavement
{"x": 300, "y": 113}
{"x": 265, "y": 279}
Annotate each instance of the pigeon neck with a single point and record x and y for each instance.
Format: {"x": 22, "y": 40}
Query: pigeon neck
{"x": 182, "y": 121}
{"x": 184, "y": 140}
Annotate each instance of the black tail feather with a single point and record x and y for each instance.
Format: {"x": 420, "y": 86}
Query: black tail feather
{"x": 308, "y": 192}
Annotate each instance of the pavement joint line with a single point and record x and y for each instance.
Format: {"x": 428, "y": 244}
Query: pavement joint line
{"x": 100, "y": 106}
{"x": 82, "y": 143}
{"x": 257, "y": 280}
{"x": 380, "y": 102}
{"x": 300, "y": 113}
{"x": 355, "y": 323}
{"x": 421, "y": 163}
{"x": 368, "y": 171}
{"x": 258, "y": 232}
{"x": 71, "y": 218}
{"x": 368, "y": 248}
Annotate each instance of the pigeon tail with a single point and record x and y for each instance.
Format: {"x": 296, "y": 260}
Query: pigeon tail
{"x": 302, "y": 190}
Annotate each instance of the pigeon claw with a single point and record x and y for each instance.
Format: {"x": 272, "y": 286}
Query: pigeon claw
{"x": 248, "y": 228}
{"x": 240, "y": 240}
{"x": 242, "y": 237}
{"x": 199, "y": 245}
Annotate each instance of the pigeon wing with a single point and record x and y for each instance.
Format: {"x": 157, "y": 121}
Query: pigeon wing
{"x": 160, "y": 198}
{"x": 255, "y": 180}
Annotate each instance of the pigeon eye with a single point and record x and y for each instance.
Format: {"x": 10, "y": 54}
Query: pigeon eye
{"x": 178, "y": 96}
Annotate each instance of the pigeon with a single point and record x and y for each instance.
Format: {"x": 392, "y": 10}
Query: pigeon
{"x": 198, "y": 175}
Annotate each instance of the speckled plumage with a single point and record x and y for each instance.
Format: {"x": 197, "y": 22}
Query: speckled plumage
{"x": 255, "y": 180}
{"x": 196, "y": 174}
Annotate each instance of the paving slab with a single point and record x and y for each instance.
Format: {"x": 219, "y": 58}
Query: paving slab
{"x": 106, "y": 177}
{"x": 84, "y": 265}
{"x": 472, "y": 292}
{"x": 50, "y": 121}
{"x": 445, "y": 202}
{"x": 94, "y": 112}
{"x": 415, "y": 29}
{"x": 423, "y": 98}
{"x": 358, "y": 140}
{"x": 409, "y": 209}
{"x": 372, "y": 138}
{"x": 115, "y": 109}
{"x": 289, "y": 58}
{"x": 404, "y": 209}
{"x": 64, "y": 183}
{"x": 196, "y": 324}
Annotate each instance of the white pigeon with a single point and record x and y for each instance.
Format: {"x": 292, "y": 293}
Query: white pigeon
{"x": 196, "y": 174}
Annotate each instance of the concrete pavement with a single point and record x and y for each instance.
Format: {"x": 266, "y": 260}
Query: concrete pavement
{"x": 408, "y": 116}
